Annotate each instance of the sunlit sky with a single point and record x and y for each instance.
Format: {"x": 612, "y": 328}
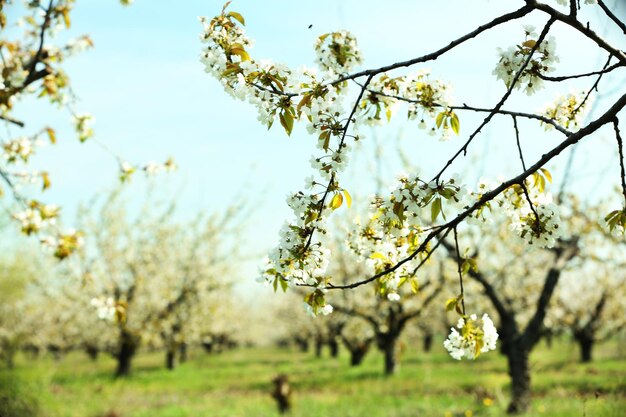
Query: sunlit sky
{"x": 145, "y": 86}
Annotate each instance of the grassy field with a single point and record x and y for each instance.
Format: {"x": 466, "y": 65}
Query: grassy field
{"x": 238, "y": 382}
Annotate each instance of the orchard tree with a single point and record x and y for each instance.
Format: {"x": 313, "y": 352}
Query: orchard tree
{"x": 521, "y": 283}
{"x": 589, "y": 304}
{"x": 387, "y": 313}
{"x": 18, "y": 301}
{"x": 150, "y": 275}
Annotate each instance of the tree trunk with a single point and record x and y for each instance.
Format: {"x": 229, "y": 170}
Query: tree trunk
{"x": 358, "y": 354}
{"x": 389, "y": 350}
{"x": 428, "y": 342}
{"x": 182, "y": 353}
{"x": 520, "y": 379}
{"x": 303, "y": 344}
{"x": 334, "y": 347}
{"x": 586, "y": 347}
{"x": 169, "y": 358}
{"x": 127, "y": 349}
{"x": 92, "y": 352}
{"x": 318, "y": 347}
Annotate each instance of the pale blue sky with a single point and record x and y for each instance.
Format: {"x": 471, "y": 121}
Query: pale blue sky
{"x": 144, "y": 84}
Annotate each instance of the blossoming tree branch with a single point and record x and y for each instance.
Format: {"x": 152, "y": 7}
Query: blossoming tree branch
{"x": 337, "y": 99}
{"x": 32, "y": 58}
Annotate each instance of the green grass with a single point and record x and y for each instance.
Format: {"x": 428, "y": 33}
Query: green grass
{"x": 237, "y": 383}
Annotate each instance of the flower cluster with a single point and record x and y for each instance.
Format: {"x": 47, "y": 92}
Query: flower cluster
{"x": 21, "y": 148}
{"x": 106, "y": 308}
{"x": 36, "y": 217}
{"x": 513, "y": 59}
{"x": 64, "y": 244}
{"x": 337, "y": 52}
{"x": 426, "y": 98}
{"x": 615, "y": 222}
{"x": 568, "y": 111}
{"x": 82, "y": 124}
{"x": 475, "y": 337}
{"x": 539, "y": 227}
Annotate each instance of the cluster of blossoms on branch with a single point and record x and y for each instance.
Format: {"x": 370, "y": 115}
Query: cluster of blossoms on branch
{"x": 568, "y": 111}
{"x": 405, "y": 226}
{"x": 540, "y": 61}
{"x": 32, "y": 65}
{"x": 473, "y": 337}
{"x": 316, "y": 97}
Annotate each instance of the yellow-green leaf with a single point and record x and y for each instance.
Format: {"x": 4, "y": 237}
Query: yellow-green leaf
{"x": 439, "y": 119}
{"x": 337, "y": 201}
{"x": 435, "y": 209}
{"x": 454, "y": 123}
{"x": 237, "y": 17}
{"x": 378, "y": 255}
{"x": 546, "y": 174}
{"x": 348, "y": 198}
{"x": 51, "y": 135}
{"x": 286, "y": 119}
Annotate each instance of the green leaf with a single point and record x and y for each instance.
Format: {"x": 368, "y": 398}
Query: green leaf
{"x": 435, "y": 209}
{"x": 415, "y": 287}
{"x": 451, "y": 303}
{"x": 237, "y": 17}
{"x": 286, "y": 119}
{"x": 454, "y": 123}
{"x": 439, "y": 119}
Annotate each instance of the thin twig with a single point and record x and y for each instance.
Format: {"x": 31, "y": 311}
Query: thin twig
{"x": 620, "y": 147}
{"x": 593, "y": 87}
{"x": 322, "y": 202}
{"x": 463, "y": 149}
{"x": 458, "y": 264}
{"x": 434, "y": 55}
{"x": 523, "y": 183}
{"x": 587, "y": 74}
{"x": 585, "y": 132}
{"x": 612, "y": 16}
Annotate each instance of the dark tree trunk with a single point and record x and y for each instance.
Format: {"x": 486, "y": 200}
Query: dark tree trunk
{"x": 319, "y": 343}
{"x": 520, "y": 379}
{"x": 303, "y": 344}
{"x": 92, "y": 352}
{"x": 387, "y": 343}
{"x": 127, "y": 349}
{"x": 182, "y": 353}
{"x": 358, "y": 354}
{"x": 169, "y": 358}
{"x": 548, "y": 337}
{"x": 428, "y": 342}
{"x": 586, "y": 346}
{"x": 334, "y": 347}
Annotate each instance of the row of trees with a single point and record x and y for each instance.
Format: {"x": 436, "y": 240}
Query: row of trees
{"x": 142, "y": 280}
{"x": 576, "y": 287}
